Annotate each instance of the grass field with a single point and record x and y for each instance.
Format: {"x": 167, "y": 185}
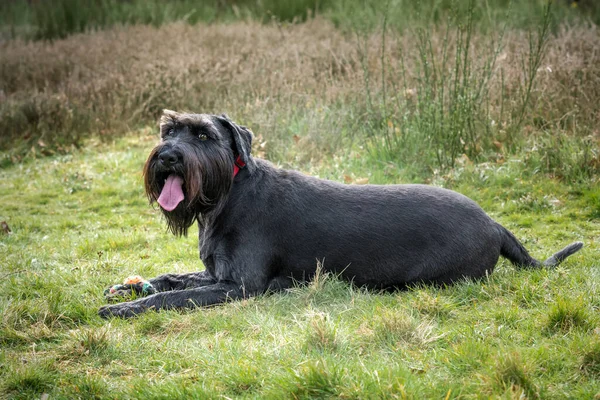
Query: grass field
{"x": 505, "y": 113}
{"x": 80, "y": 222}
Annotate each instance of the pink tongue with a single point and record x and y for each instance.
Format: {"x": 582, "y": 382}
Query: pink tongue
{"x": 171, "y": 194}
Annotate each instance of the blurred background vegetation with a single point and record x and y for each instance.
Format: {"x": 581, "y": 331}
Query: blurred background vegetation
{"x": 421, "y": 85}
{"x": 52, "y": 19}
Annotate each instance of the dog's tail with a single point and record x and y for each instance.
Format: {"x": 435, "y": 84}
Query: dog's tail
{"x": 518, "y": 255}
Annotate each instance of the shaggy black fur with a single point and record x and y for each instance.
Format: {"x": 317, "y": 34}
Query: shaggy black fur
{"x": 266, "y": 228}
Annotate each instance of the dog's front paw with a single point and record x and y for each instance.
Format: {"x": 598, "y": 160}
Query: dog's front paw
{"x": 116, "y": 293}
{"x": 124, "y": 310}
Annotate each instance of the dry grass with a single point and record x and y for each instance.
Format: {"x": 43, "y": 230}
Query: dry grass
{"x": 568, "y": 86}
{"x": 125, "y": 76}
{"x": 303, "y": 82}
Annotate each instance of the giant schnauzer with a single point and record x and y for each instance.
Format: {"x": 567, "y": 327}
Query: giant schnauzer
{"x": 263, "y": 228}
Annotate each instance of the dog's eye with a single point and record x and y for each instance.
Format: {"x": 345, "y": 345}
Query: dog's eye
{"x": 203, "y": 136}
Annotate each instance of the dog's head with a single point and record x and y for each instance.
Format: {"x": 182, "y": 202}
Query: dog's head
{"x": 190, "y": 172}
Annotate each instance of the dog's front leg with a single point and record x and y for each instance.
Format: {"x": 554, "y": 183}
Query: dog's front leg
{"x": 190, "y": 280}
{"x": 178, "y": 299}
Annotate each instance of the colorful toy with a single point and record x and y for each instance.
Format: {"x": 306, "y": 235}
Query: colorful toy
{"x": 132, "y": 284}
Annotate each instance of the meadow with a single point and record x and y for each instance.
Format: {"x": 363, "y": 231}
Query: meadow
{"x": 498, "y": 101}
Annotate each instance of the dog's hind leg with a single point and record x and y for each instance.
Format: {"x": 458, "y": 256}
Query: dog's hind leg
{"x": 514, "y": 251}
{"x": 164, "y": 283}
{"x": 280, "y": 283}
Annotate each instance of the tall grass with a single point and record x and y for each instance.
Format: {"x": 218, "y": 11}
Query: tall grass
{"x": 406, "y": 15}
{"x": 60, "y": 18}
{"x": 453, "y": 105}
{"x": 531, "y": 64}
{"x": 427, "y": 98}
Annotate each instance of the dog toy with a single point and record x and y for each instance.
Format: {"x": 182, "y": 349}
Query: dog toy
{"x": 132, "y": 284}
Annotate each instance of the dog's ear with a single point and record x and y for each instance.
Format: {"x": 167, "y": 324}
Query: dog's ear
{"x": 169, "y": 116}
{"x": 242, "y": 140}
{"x": 168, "y": 119}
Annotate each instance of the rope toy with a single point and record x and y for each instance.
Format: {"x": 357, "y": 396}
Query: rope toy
{"x": 132, "y": 284}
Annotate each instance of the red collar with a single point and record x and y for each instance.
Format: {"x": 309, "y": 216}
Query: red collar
{"x": 239, "y": 164}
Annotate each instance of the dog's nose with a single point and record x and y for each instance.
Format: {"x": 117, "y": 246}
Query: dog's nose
{"x": 168, "y": 158}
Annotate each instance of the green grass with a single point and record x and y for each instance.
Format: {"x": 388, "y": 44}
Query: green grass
{"x": 80, "y": 223}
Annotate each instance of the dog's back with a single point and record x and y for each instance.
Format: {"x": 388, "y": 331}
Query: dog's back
{"x": 379, "y": 236}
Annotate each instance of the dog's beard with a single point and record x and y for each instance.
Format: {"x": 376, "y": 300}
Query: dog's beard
{"x": 207, "y": 180}
{"x": 179, "y": 220}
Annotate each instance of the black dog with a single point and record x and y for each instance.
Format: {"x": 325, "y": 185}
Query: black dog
{"x": 262, "y": 228}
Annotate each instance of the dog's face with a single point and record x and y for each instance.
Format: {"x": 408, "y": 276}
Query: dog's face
{"x": 190, "y": 172}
